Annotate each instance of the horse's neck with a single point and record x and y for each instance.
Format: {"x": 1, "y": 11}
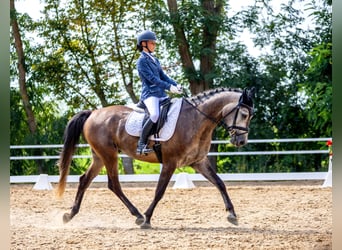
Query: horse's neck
{"x": 213, "y": 106}
{"x": 202, "y": 114}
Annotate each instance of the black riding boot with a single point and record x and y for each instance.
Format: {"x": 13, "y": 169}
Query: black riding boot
{"x": 145, "y": 133}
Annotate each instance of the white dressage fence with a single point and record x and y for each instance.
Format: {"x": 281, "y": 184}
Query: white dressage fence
{"x": 188, "y": 178}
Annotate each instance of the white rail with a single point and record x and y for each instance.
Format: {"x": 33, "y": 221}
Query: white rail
{"x": 192, "y": 177}
{"x": 209, "y": 154}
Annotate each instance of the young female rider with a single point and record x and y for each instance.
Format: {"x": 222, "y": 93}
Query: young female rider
{"x": 154, "y": 83}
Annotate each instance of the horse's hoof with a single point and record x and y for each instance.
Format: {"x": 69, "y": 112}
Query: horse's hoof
{"x": 145, "y": 226}
{"x": 66, "y": 218}
{"x": 139, "y": 220}
{"x": 233, "y": 219}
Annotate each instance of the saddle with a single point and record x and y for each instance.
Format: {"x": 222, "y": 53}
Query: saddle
{"x": 164, "y": 128}
{"x": 164, "y": 107}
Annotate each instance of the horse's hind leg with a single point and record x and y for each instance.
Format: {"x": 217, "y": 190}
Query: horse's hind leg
{"x": 84, "y": 183}
{"x": 114, "y": 185}
{"x": 206, "y": 170}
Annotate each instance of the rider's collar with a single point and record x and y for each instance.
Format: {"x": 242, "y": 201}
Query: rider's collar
{"x": 150, "y": 55}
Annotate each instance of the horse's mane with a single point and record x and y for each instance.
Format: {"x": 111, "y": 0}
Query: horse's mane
{"x": 205, "y": 95}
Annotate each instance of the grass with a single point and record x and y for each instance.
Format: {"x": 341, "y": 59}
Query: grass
{"x": 141, "y": 167}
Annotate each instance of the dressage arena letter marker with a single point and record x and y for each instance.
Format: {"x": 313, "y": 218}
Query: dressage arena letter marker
{"x": 43, "y": 183}
{"x": 183, "y": 181}
{"x": 328, "y": 179}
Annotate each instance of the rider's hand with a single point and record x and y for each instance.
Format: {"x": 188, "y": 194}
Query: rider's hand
{"x": 176, "y": 89}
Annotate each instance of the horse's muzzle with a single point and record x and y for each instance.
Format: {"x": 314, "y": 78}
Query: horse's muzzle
{"x": 238, "y": 141}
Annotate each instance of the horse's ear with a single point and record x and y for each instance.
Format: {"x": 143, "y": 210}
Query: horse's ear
{"x": 245, "y": 93}
{"x": 251, "y": 92}
{"x": 247, "y": 96}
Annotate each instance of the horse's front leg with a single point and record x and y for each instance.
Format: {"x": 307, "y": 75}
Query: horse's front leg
{"x": 204, "y": 167}
{"x": 164, "y": 179}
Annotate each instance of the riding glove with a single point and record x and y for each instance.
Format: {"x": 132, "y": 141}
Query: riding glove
{"x": 176, "y": 89}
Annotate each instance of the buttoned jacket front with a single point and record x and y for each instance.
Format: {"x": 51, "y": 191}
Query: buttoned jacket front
{"x": 154, "y": 80}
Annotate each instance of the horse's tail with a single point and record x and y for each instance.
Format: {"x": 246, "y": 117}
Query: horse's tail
{"x": 72, "y": 134}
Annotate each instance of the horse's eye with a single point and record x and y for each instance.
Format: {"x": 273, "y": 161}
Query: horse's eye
{"x": 244, "y": 114}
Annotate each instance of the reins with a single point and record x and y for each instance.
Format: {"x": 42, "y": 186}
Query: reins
{"x": 232, "y": 128}
{"x": 201, "y": 112}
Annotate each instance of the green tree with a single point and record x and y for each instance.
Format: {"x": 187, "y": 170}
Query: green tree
{"x": 318, "y": 88}
{"x": 196, "y": 28}
{"x": 317, "y": 85}
{"x": 90, "y": 53}
{"x": 281, "y": 108}
{"x": 25, "y": 98}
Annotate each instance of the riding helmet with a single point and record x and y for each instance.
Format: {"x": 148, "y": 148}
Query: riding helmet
{"x": 146, "y": 36}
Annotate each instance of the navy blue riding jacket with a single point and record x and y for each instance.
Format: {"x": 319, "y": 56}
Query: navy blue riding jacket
{"x": 154, "y": 80}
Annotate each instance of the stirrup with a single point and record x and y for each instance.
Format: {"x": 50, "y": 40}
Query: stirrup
{"x": 145, "y": 150}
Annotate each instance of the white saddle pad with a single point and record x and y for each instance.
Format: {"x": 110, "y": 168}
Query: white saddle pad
{"x": 134, "y": 122}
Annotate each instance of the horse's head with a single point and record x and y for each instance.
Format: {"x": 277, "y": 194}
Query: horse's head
{"x": 237, "y": 116}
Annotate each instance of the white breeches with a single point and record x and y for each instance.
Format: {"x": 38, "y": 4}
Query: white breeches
{"x": 152, "y": 105}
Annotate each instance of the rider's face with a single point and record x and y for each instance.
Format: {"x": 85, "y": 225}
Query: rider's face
{"x": 151, "y": 45}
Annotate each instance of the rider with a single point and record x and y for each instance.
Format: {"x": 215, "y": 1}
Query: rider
{"x": 154, "y": 83}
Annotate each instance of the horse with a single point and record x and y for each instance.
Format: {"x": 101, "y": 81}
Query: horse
{"x": 104, "y": 131}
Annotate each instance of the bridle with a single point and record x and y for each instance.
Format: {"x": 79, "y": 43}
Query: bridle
{"x": 232, "y": 128}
